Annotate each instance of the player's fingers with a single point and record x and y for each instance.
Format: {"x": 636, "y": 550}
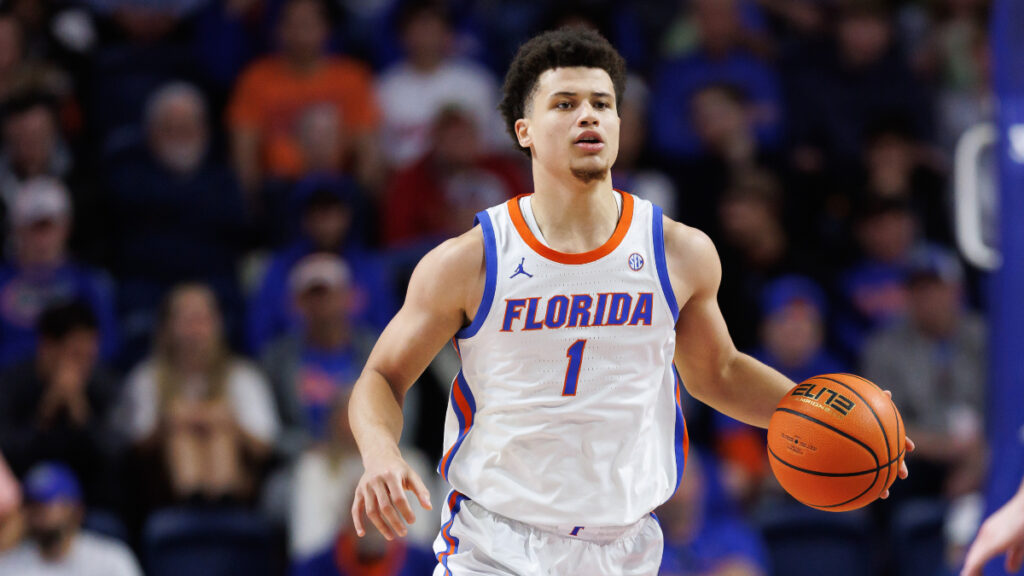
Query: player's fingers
{"x": 1014, "y": 559}
{"x": 910, "y": 445}
{"x": 979, "y": 553}
{"x": 904, "y": 471}
{"x": 885, "y": 494}
{"x": 373, "y": 512}
{"x": 415, "y": 483}
{"x": 399, "y": 499}
{"x": 357, "y": 513}
{"x": 388, "y": 512}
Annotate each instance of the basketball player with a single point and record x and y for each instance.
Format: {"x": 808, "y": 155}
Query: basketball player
{"x": 569, "y": 308}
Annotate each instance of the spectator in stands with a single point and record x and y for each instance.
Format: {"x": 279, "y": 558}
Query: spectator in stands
{"x": 322, "y": 540}
{"x": 631, "y": 172}
{"x": 724, "y": 123}
{"x": 58, "y": 405}
{"x": 210, "y": 414}
{"x": 413, "y": 91}
{"x": 310, "y": 368}
{"x": 755, "y": 248}
{"x": 897, "y": 166}
{"x": 57, "y": 545}
{"x": 273, "y": 93}
{"x": 721, "y": 57}
{"x": 21, "y": 71}
{"x": 837, "y": 90}
{"x": 704, "y": 535}
{"x": 437, "y": 196}
{"x": 793, "y": 329}
{"x": 32, "y": 143}
{"x": 934, "y": 362}
{"x": 873, "y": 290}
{"x": 328, "y": 215}
{"x": 177, "y": 214}
{"x": 40, "y": 273}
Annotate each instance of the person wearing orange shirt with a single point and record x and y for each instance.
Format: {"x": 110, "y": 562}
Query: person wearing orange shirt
{"x": 274, "y": 92}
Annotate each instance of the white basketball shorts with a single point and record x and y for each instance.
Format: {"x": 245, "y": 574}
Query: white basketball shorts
{"x": 476, "y": 542}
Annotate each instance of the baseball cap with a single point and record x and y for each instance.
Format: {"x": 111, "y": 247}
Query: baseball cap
{"x": 934, "y": 263}
{"x": 322, "y": 269}
{"x": 49, "y": 482}
{"x": 789, "y": 290}
{"x": 39, "y": 199}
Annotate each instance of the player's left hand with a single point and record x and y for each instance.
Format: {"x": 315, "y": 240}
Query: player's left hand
{"x": 904, "y": 472}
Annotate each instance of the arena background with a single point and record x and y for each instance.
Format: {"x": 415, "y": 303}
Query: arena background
{"x": 814, "y": 140}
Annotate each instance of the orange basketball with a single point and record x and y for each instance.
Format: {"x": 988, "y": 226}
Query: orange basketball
{"x": 835, "y": 442}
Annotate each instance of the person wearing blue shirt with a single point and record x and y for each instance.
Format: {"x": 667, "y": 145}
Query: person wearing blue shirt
{"x": 312, "y": 365}
{"x": 719, "y": 58}
{"x": 705, "y": 535}
{"x": 326, "y": 225}
{"x": 40, "y": 273}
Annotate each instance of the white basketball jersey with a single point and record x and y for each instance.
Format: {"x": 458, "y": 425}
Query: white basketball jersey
{"x": 566, "y": 410}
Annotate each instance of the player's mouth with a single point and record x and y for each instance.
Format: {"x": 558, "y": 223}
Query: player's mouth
{"x": 589, "y": 141}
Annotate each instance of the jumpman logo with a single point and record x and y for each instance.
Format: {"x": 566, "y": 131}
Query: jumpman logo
{"x": 519, "y": 270}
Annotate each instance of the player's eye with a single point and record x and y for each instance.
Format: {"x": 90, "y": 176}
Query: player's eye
{"x": 564, "y": 105}
{"x": 601, "y": 105}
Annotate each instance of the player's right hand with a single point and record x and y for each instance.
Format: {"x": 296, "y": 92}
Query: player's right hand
{"x": 381, "y": 496}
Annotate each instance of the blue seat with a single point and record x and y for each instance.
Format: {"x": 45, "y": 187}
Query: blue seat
{"x": 106, "y": 524}
{"x": 190, "y": 542}
{"x": 919, "y": 543}
{"x": 803, "y": 541}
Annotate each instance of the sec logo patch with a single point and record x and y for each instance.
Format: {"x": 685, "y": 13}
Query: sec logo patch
{"x": 636, "y": 262}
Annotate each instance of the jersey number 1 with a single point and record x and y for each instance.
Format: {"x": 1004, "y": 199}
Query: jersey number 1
{"x": 572, "y": 373}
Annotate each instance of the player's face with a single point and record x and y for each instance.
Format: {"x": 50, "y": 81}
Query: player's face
{"x": 571, "y": 123}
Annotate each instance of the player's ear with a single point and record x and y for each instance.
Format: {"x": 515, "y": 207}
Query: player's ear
{"x": 523, "y": 132}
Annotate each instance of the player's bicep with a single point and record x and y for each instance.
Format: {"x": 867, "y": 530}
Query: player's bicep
{"x": 703, "y": 344}
{"x": 434, "y": 310}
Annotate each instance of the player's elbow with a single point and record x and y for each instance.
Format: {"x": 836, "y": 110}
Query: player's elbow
{"x": 710, "y": 383}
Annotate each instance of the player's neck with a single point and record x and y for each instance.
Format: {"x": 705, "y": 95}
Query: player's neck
{"x": 574, "y": 216}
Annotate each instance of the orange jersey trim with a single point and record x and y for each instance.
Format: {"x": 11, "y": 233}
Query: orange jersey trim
{"x": 565, "y": 258}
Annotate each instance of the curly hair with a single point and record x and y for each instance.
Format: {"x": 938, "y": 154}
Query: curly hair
{"x": 562, "y": 48}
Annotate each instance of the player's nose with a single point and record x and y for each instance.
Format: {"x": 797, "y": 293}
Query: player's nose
{"x": 588, "y": 115}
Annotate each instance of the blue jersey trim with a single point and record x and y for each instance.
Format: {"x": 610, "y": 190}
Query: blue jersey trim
{"x": 491, "y": 263}
{"x": 681, "y": 441}
{"x": 661, "y": 263}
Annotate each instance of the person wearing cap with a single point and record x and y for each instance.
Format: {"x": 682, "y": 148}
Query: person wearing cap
{"x": 793, "y": 329}
{"x": 934, "y": 361}
{"x": 322, "y": 358}
{"x": 41, "y": 273}
{"x": 873, "y": 290}
{"x": 328, "y": 221}
{"x": 58, "y": 405}
{"x": 57, "y": 546}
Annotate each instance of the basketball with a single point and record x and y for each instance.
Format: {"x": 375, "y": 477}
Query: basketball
{"x": 835, "y": 442}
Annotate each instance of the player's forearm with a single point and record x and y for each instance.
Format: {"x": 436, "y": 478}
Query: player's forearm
{"x": 376, "y": 415}
{"x": 748, "y": 390}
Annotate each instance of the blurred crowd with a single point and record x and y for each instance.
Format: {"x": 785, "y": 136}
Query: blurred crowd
{"x": 211, "y": 208}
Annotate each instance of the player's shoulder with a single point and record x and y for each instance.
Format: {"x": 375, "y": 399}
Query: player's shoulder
{"x": 451, "y": 270}
{"x": 459, "y": 254}
{"x": 682, "y": 241}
